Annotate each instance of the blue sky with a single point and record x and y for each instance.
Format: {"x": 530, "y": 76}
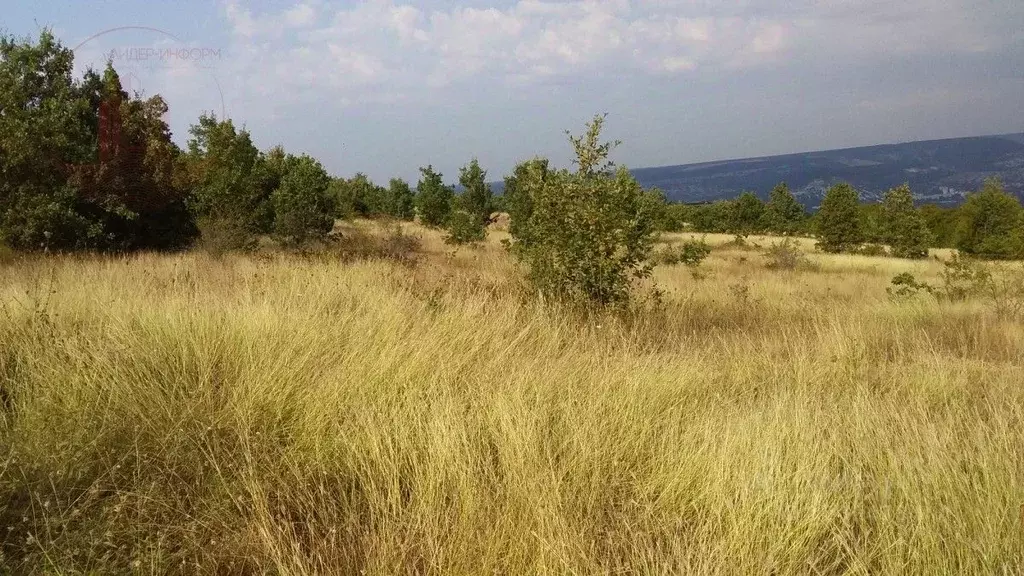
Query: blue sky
{"x": 385, "y": 86}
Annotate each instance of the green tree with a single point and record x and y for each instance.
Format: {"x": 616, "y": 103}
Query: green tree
{"x": 270, "y": 169}
{"x": 872, "y": 223}
{"x": 129, "y": 195}
{"x": 990, "y": 223}
{"x": 359, "y": 196}
{"x": 471, "y": 211}
{"x": 41, "y": 132}
{"x": 905, "y": 230}
{"x": 433, "y": 198}
{"x": 463, "y": 227}
{"x": 592, "y": 154}
{"x": 476, "y": 192}
{"x": 675, "y": 217}
{"x": 303, "y": 209}
{"x": 224, "y": 170}
{"x": 399, "y": 200}
{"x": 838, "y": 220}
{"x": 783, "y": 214}
{"x": 747, "y": 212}
{"x": 942, "y": 224}
{"x": 82, "y": 164}
{"x": 714, "y": 217}
{"x": 526, "y": 176}
{"x": 589, "y": 233}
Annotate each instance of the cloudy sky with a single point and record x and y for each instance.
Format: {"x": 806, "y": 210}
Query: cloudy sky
{"x": 385, "y": 86}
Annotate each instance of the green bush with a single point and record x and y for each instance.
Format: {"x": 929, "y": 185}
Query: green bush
{"x": 905, "y": 285}
{"x": 1002, "y": 290}
{"x": 870, "y": 250}
{"x": 991, "y": 224}
{"x": 303, "y": 209}
{"x": 690, "y": 253}
{"x": 838, "y": 220}
{"x": 963, "y": 277}
{"x": 783, "y": 214}
{"x": 433, "y": 199}
{"x": 464, "y": 228}
{"x": 589, "y": 233}
{"x": 904, "y": 228}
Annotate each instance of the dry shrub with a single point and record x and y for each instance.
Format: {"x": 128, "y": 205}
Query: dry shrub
{"x": 221, "y": 236}
{"x": 389, "y": 241}
{"x": 786, "y": 255}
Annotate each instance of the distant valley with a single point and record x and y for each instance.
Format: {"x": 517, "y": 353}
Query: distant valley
{"x": 938, "y": 171}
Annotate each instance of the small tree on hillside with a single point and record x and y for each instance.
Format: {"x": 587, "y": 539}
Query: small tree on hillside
{"x": 904, "y": 228}
{"x": 589, "y": 233}
{"x": 303, "y": 209}
{"x": 872, "y": 222}
{"x": 433, "y": 198}
{"x": 518, "y": 202}
{"x": 471, "y": 211}
{"x": 942, "y": 223}
{"x": 990, "y": 223}
{"x": 359, "y": 196}
{"x": 222, "y": 167}
{"x": 747, "y": 212}
{"x": 838, "y": 221}
{"x": 399, "y": 203}
{"x": 783, "y": 214}
{"x": 476, "y": 194}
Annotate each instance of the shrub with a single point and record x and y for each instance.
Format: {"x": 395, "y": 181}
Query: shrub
{"x": 783, "y": 214}
{"x": 476, "y": 198}
{"x": 904, "y": 285}
{"x": 870, "y": 250}
{"x": 388, "y": 242}
{"x": 1004, "y": 293}
{"x": 963, "y": 277}
{"x": 747, "y": 213}
{"x": 904, "y": 228}
{"x": 525, "y": 177}
{"x": 218, "y": 236}
{"x": 786, "y": 255}
{"x": 838, "y": 220}
{"x": 990, "y": 223}
{"x": 690, "y": 253}
{"x": 464, "y": 228}
{"x": 589, "y": 233}
{"x": 303, "y": 209}
{"x": 433, "y": 199}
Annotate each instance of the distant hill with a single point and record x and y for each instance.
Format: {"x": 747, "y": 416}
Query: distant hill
{"x": 939, "y": 171}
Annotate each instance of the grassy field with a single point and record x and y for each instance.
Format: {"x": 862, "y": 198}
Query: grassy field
{"x": 303, "y": 415}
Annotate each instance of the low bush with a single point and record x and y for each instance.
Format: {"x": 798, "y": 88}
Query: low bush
{"x": 218, "y": 236}
{"x": 786, "y": 255}
{"x": 962, "y": 278}
{"x": 388, "y": 242}
{"x": 690, "y": 253}
{"x": 872, "y": 250}
{"x": 464, "y": 228}
{"x": 905, "y": 285}
{"x": 740, "y": 242}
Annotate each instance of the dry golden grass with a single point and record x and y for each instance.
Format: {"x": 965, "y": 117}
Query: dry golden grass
{"x": 278, "y": 414}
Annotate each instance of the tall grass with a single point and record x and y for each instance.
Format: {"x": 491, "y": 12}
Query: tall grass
{"x": 278, "y": 414}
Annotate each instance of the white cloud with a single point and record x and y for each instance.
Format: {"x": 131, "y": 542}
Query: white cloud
{"x": 300, "y": 16}
{"x": 357, "y": 48}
